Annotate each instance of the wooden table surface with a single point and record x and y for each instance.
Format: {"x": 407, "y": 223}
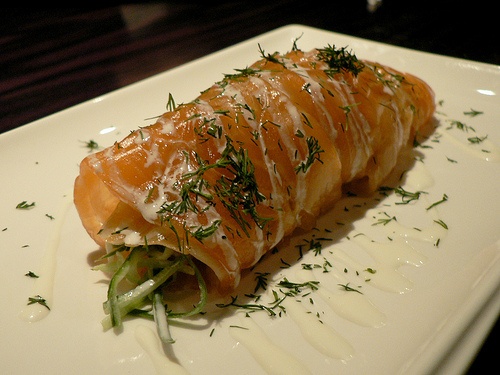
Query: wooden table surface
{"x": 52, "y": 59}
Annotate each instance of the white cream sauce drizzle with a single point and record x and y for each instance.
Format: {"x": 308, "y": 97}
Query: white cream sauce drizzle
{"x": 492, "y": 153}
{"x": 393, "y": 254}
{"x": 351, "y": 306}
{"x": 419, "y": 177}
{"x": 427, "y": 234}
{"x": 354, "y": 307}
{"x": 386, "y": 278}
{"x": 271, "y": 357}
{"x": 321, "y": 336}
{"x": 44, "y": 284}
{"x": 150, "y": 343}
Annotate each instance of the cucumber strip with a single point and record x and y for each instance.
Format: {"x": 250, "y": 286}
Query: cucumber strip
{"x": 120, "y": 274}
{"x": 160, "y": 317}
{"x": 121, "y": 304}
{"x": 203, "y": 293}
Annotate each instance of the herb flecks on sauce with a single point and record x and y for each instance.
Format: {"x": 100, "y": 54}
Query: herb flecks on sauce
{"x": 38, "y": 299}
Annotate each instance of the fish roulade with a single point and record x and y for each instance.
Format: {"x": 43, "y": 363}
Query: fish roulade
{"x": 224, "y": 178}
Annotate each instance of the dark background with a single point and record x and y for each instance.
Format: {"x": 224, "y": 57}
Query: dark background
{"x": 54, "y": 58}
{"x": 51, "y": 59}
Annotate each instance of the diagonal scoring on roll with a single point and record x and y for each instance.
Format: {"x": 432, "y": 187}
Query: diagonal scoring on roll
{"x": 257, "y": 155}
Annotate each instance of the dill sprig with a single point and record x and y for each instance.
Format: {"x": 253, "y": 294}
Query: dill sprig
{"x": 407, "y": 196}
{"x": 339, "y": 60}
{"x": 241, "y": 73}
{"x": 473, "y": 113}
{"x": 271, "y": 57}
{"x": 348, "y": 288}
{"x": 314, "y": 151}
{"x": 442, "y": 200}
{"x": 274, "y": 307}
{"x": 237, "y": 191}
{"x": 24, "y": 205}
{"x": 240, "y": 194}
{"x": 38, "y": 299}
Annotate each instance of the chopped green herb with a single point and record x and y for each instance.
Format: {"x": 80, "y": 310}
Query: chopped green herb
{"x": 444, "y": 199}
{"x": 38, "y": 299}
{"x": 203, "y": 232}
{"x": 451, "y": 160}
{"x": 271, "y": 58}
{"x": 285, "y": 264}
{"x": 347, "y": 288}
{"x": 460, "y": 126}
{"x": 407, "y": 196}
{"x": 24, "y": 205}
{"x": 326, "y": 266}
{"x": 442, "y": 223}
{"x": 338, "y": 60}
{"x": 314, "y": 151}
{"x": 242, "y": 73}
{"x": 473, "y": 113}
{"x": 237, "y": 190}
{"x": 261, "y": 279}
{"x": 477, "y": 140}
{"x": 171, "y": 103}
{"x": 296, "y": 288}
{"x": 253, "y": 306}
{"x": 347, "y": 110}
{"x": 91, "y": 145}
{"x": 386, "y": 220}
{"x": 294, "y": 45}
{"x": 240, "y": 327}
{"x": 309, "y": 266}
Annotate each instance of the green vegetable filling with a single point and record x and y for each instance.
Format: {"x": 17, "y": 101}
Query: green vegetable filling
{"x": 139, "y": 275}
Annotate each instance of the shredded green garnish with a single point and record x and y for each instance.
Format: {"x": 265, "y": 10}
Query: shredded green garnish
{"x": 473, "y": 113}
{"x": 274, "y": 307}
{"x": 385, "y": 220}
{"x": 237, "y": 191}
{"x": 347, "y": 288}
{"x": 339, "y": 59}
{"x": 91, "y": 145}
{"x": 161, "y": 266}
{"x": 24, "y": 205}
{"x": 271, "y": 57}
{"x": 477, "y": 139}
{"x": 171, "y": 103}
{"x": 442, "y": 200}
{"x": 314, "y": 152}
{"x": 38, "y": 299}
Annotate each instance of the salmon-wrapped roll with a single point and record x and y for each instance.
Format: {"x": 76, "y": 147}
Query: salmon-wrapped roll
{"x": 224, "y": 178}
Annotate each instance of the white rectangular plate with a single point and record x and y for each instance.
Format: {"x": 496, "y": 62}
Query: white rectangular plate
{"x": 423, "y": 323}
